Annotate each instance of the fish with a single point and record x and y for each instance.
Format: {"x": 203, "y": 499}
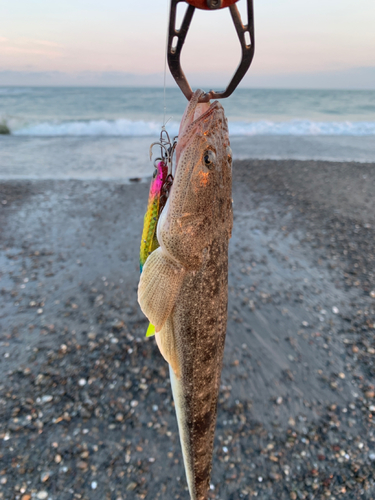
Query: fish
{"x": 183, "y": 288}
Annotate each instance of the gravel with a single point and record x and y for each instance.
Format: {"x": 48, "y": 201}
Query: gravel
{"x": 85, "y": 404}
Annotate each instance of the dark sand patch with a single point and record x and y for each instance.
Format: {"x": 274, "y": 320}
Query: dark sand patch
{"x": 85, "y": 404}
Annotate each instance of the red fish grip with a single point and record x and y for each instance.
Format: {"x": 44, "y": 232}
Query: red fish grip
{"x": 211, "y": 4}
{"x": 176, "y": 40}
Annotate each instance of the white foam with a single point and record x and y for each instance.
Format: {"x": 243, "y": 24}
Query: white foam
{"x": 302, "y": 127}
{"x": 121, "y": 127}
{"x": 128, "y": 128}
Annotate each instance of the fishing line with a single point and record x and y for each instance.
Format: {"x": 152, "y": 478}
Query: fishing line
{"x": 165, "y": 68}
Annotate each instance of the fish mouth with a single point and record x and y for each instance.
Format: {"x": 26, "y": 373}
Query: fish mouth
{"x": 196, "y": 111}
{"x": 197, "y": 116}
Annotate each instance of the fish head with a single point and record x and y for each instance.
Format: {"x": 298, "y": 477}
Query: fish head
{"x": 200, "y": 203}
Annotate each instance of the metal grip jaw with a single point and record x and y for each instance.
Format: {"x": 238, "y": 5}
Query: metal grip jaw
{"x": 174, "y": 49}
{"x": 211, "y": 4}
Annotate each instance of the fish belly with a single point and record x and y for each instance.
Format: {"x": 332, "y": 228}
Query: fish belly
{"x": 199, "y": 323}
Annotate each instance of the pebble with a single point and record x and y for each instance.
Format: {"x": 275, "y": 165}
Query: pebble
{"x": 42, "y": 495}
{"x": 335, "y": 310}
{"x": 40, "y": 311}
{"x": 46, "y": 399}
{"x": 44, "y": 476}
{"x": 297, "y": 441}
{"x": 82, "y": 382}
{"x": 372, "y": 294}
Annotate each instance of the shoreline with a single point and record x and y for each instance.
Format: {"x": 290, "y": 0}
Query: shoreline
{"x": 298, "y": 381}
{"x": 90, "y": 158}
{"x": 147, "y": 178}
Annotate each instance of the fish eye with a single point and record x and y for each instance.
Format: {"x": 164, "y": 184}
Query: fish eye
{"x": 229, "y": 153}
{"x": 209, "y": 158}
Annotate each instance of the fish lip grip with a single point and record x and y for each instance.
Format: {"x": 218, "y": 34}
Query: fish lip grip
{"x": 174, "y": 49}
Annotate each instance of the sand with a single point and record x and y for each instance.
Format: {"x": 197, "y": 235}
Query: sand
{"x": 85, "y": 405}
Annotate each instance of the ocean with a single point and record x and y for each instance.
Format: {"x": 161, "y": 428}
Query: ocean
{"x": 105, "y": 133}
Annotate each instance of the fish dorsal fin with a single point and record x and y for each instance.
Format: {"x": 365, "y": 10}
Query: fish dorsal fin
{"x": 160, "y": 283}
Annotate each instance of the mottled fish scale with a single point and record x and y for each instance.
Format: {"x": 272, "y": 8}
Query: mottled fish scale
{"x": 201, "y": 359}
{"x": 190, "y": 272}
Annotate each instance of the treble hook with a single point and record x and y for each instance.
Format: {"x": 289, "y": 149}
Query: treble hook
{"x": 162, "y": 146}
{"x": 167, "y": 148}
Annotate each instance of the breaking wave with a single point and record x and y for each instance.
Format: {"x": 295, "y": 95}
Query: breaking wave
{"x": 128, "y": 128}
{"x": 120, "y": 127}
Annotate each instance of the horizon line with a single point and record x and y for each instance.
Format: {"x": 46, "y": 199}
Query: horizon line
{"x": 114, "y": 86}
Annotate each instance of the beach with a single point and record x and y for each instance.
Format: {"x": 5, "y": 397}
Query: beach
{"x": 85, "y": 404}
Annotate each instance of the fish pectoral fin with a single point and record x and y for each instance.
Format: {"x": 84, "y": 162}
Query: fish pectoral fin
{"x": 160, "y": 283}
{"x": 166, "y": 342}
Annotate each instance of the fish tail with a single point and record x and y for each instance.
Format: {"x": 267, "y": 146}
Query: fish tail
{"x": 198, "y": 478}
{"x": 178, "y": 398}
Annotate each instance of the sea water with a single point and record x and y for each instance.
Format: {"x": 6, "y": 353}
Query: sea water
{"x": 106, "y": 132}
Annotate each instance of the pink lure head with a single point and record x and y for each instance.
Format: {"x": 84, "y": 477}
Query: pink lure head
{"x": 158, "y": 181}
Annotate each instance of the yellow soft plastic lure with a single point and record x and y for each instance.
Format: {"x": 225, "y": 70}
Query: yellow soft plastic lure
{"x": 149, "y": 241}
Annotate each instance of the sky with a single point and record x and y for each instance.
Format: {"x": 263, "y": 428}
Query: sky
{"x": 299, "y": 44}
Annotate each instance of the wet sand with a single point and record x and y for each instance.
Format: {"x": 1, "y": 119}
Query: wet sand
{"x": 85, "y": 405}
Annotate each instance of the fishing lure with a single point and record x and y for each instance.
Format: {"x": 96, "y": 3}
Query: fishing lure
{"x": 159, "y": 190}
{"x": 149, "y": 241}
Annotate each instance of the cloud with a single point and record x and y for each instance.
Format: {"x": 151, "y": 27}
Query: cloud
{"x": 30, "y": 46}
{"x": 29, "y": 50}
{"x": 44, "y": 43}
{"x": 350, "y": 78}
{"x": 353, "y": 78}
{"x": 106, "y": 78}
